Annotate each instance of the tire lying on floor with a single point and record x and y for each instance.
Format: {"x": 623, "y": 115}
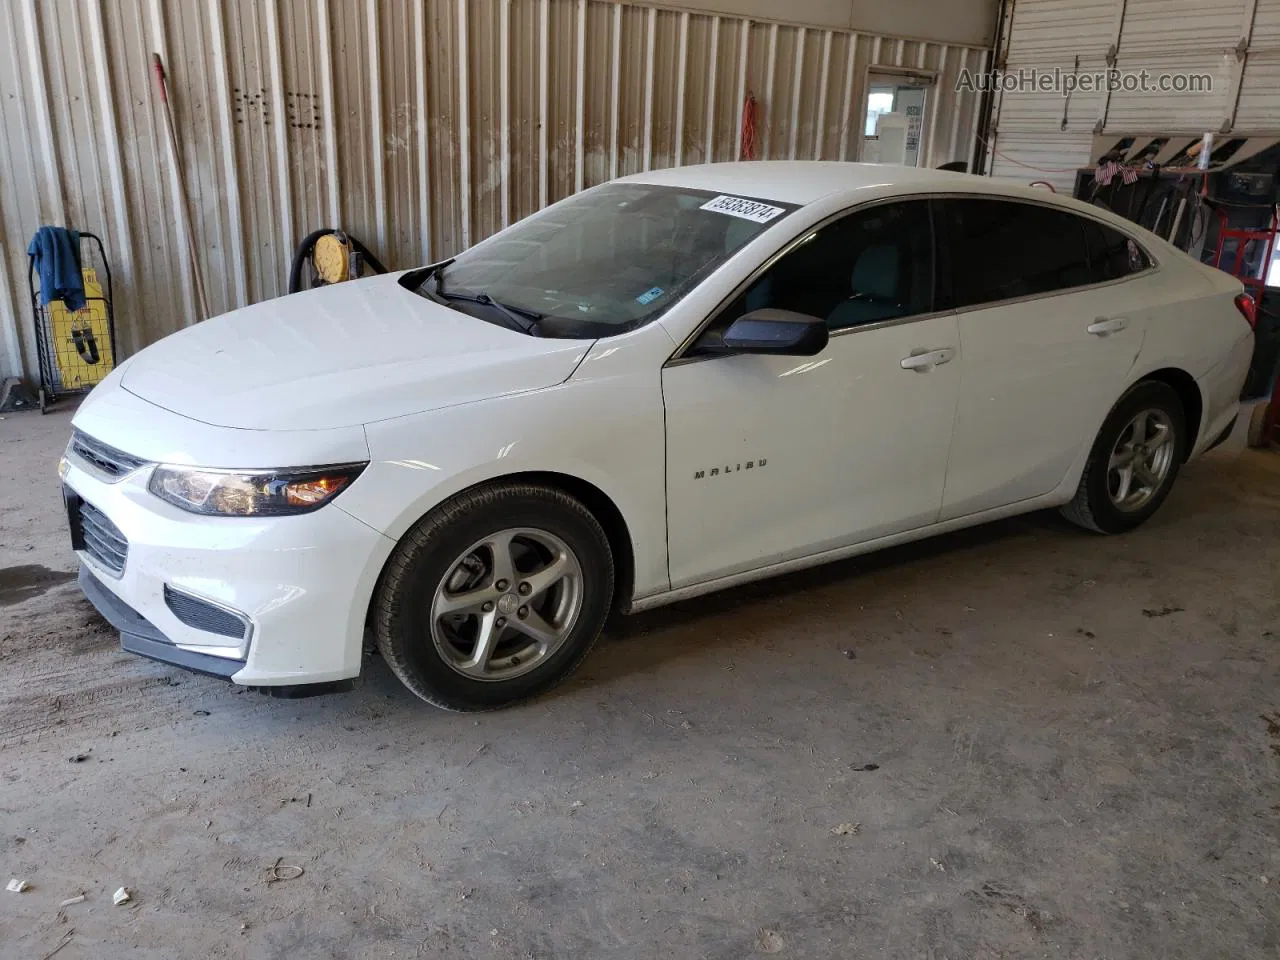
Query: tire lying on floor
{"x": 494, "y": 596}
{"x": 1133, "y": 462}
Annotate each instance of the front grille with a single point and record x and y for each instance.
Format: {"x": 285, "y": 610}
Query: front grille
{"x": 202, "y": 615}
{"x": 101, "y": 538}
{"x": 106, "y": 459}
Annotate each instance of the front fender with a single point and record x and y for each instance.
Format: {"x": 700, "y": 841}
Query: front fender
{"x": 607, "y": 432}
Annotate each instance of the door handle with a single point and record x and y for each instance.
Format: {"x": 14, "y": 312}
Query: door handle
{"x": 1107, "y": 325}
{"x": 926, "y": 360}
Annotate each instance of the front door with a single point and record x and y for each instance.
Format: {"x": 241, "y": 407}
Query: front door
{"x": 771, "y": 458}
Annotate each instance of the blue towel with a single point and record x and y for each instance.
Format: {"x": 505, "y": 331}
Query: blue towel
{"x": 57, "y": 255}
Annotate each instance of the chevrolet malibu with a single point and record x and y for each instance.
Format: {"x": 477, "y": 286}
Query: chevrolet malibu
{"x": 666, "y": 385}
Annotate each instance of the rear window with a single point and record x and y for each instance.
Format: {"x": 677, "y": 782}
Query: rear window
{"x": 1003, "y": 249}
{"x": 1112, "y": 255}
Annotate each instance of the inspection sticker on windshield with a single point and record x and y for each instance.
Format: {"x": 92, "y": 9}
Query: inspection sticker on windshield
{"x": 649, "y": 295}
{"x": 746, "y": 209}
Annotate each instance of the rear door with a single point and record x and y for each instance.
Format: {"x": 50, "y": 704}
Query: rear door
{"x": 1049, "y": 328}
{"x": 770, "y": 458}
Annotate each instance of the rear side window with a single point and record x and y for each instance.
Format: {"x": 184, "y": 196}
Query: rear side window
{"x": 1002, "y": 249}
{"x": 1112, "y": 255}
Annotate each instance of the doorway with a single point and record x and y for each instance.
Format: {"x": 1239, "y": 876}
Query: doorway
{"x": 894, "y": 120}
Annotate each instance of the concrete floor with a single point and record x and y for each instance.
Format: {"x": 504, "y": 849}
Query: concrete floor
{"x": 1040, "y": 744}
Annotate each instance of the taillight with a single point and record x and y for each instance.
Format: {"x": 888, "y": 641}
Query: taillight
{"x": 1248, "y": 308}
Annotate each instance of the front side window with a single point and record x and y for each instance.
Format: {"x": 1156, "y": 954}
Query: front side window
{"x": 603, "y": 262}
{"x": 873, "y": 265}
{"x": 1003, "y": 249}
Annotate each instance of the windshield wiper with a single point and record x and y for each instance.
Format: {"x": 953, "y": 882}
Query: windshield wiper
{"x": 416, "y": 280}
{"x": 524, "y": 320}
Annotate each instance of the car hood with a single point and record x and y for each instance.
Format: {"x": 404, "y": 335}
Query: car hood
{"x": 343, "y": 355}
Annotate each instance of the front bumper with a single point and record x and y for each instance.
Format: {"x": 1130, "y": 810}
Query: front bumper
{"x": 139, "y": 635}
{"x": 303, "y": 583}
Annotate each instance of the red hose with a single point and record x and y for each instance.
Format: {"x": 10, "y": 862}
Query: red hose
{"x": 748, "y": 149}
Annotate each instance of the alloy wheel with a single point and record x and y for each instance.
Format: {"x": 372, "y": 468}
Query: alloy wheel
{"x": 1141, "y": 460}
{"x": 507, "y": 604}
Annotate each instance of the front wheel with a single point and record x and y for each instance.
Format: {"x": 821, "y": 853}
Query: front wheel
{"x": 495, "y": 596}
{"x": 1134, "y": 461}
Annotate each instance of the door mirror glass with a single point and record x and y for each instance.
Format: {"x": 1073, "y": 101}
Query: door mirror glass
{"x": 782, "y": 332}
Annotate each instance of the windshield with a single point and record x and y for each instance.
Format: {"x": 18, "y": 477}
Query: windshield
{"x": 603, "y": 262}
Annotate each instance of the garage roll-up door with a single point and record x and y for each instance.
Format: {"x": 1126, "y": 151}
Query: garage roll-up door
{"x": 1220, "y": 60}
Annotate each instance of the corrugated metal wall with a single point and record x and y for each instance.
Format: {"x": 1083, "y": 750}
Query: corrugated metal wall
{"x": 1041, "y": 135}
{"x": 419, "y": 127}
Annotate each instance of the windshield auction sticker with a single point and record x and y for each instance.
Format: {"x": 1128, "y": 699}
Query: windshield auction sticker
{"x": 746, "y": 209}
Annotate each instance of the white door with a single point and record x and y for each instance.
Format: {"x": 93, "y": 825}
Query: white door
{"x": 1041, "y": 371}
{"x": 773, "y": 457}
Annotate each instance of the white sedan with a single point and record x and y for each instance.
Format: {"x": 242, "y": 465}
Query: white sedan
{"x": 666, "y": 385}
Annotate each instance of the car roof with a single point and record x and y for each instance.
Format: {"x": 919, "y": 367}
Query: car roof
{"x": 805, "y": 181}
{"x": 790, "y": 181}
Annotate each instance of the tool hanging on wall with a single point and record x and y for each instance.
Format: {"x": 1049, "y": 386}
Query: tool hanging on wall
{"x": 184, "y": 205}
{"x": 333, "y": 256}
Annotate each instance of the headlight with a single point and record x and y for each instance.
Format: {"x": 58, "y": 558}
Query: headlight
{"x": 266, "y": 493}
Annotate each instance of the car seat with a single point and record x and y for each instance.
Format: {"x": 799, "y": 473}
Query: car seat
{"x": 874, "y": 285}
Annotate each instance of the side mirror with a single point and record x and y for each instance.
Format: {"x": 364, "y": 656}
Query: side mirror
{"x": 782, "y": 332}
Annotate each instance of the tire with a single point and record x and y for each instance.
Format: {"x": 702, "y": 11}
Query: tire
{"x": 1095, "y": 505}
{"x": 1257, "y": 435}
{"x": 435, "y": 655}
